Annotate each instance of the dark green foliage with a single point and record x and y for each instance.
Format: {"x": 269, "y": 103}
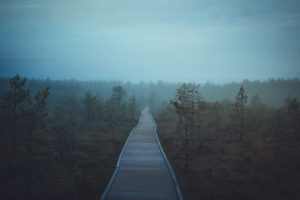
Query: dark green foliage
{"x": 92, "y": 107}
{"x": 265, "y": 166}
{"x": 240, "y": 107}
{"x": 293, "y": 111}
{"x": 19, "y": 113}
{"x": 21, "y": 117}
{"x": 186, "y": 102}
{"x": 71, "y": 152}
{"x": 271, "y": 91}
{"x": 11, "y": 108}
{"x": 65, "y": 151}
{"x": 117, "y": 98}
{"x": 32, "y": 115}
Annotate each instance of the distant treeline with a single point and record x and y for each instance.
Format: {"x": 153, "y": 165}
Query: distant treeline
{"x": 272, "y": 92}
{"x": 61, "y": 139}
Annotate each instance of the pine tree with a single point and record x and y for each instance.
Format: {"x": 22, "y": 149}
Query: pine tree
{"x": 240, "y": 106}
{"x": 21, "y": 114}
{"x": 187, "y": 98}
{"x": 293, "y": 112}
{"x": 11, "y": 104}
{"x": 90, "y": 105}
{"x": 32, "y": 115}
{"x": 118, "y": 96}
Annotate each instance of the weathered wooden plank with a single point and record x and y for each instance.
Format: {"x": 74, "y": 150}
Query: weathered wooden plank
{"x": 143, "y": 171}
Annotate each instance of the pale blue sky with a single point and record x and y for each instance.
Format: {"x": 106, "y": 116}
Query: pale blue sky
{"x": 171, "y": 40}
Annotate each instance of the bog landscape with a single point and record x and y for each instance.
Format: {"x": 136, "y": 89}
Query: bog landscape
{"x": 161, "y": 99}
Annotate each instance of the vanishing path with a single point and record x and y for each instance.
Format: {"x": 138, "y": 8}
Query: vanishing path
{"x": 143, "y": 171}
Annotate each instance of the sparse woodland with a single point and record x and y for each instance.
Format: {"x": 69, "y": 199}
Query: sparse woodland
{"x": 68, "y": 151}
{"x": 240, "y": 149}
{"x": 61, "y": 139}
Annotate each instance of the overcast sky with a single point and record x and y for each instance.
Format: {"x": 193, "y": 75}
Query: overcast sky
{"x": 170, "y": 40}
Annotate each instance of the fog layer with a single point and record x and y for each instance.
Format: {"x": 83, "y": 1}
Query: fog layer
{"x": 171, "y": 40}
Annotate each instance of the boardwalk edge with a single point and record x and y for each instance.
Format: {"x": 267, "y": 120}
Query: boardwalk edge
{"x": 178, "y": 191}
{"x": 108, "y": 187}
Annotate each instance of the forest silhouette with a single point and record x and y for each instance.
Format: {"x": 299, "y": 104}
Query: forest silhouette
{"x": 61, "y": 139}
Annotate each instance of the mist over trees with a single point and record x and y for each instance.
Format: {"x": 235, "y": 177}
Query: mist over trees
{"x": 60, "y": 148}
{"x": 240, "y": 108}
{"x": 231, "y": 149}
{"x": 61, "y": 139}
{"x": 272, "y": 92}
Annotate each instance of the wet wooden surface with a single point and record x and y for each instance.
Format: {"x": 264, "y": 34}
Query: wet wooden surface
{"x": 143, "y": 172}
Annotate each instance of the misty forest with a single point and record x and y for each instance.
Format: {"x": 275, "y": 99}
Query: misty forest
{"x": 150, "y": 100}
{"x": 61, "y": 139}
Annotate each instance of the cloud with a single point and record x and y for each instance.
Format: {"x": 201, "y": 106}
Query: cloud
{"x": 214, "y": 38}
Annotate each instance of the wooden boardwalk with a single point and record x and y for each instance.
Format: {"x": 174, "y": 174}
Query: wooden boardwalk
{"x": 143, "y": 171}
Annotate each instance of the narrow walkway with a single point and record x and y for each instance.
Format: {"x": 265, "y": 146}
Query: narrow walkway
{"x": 143, "y": 171}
